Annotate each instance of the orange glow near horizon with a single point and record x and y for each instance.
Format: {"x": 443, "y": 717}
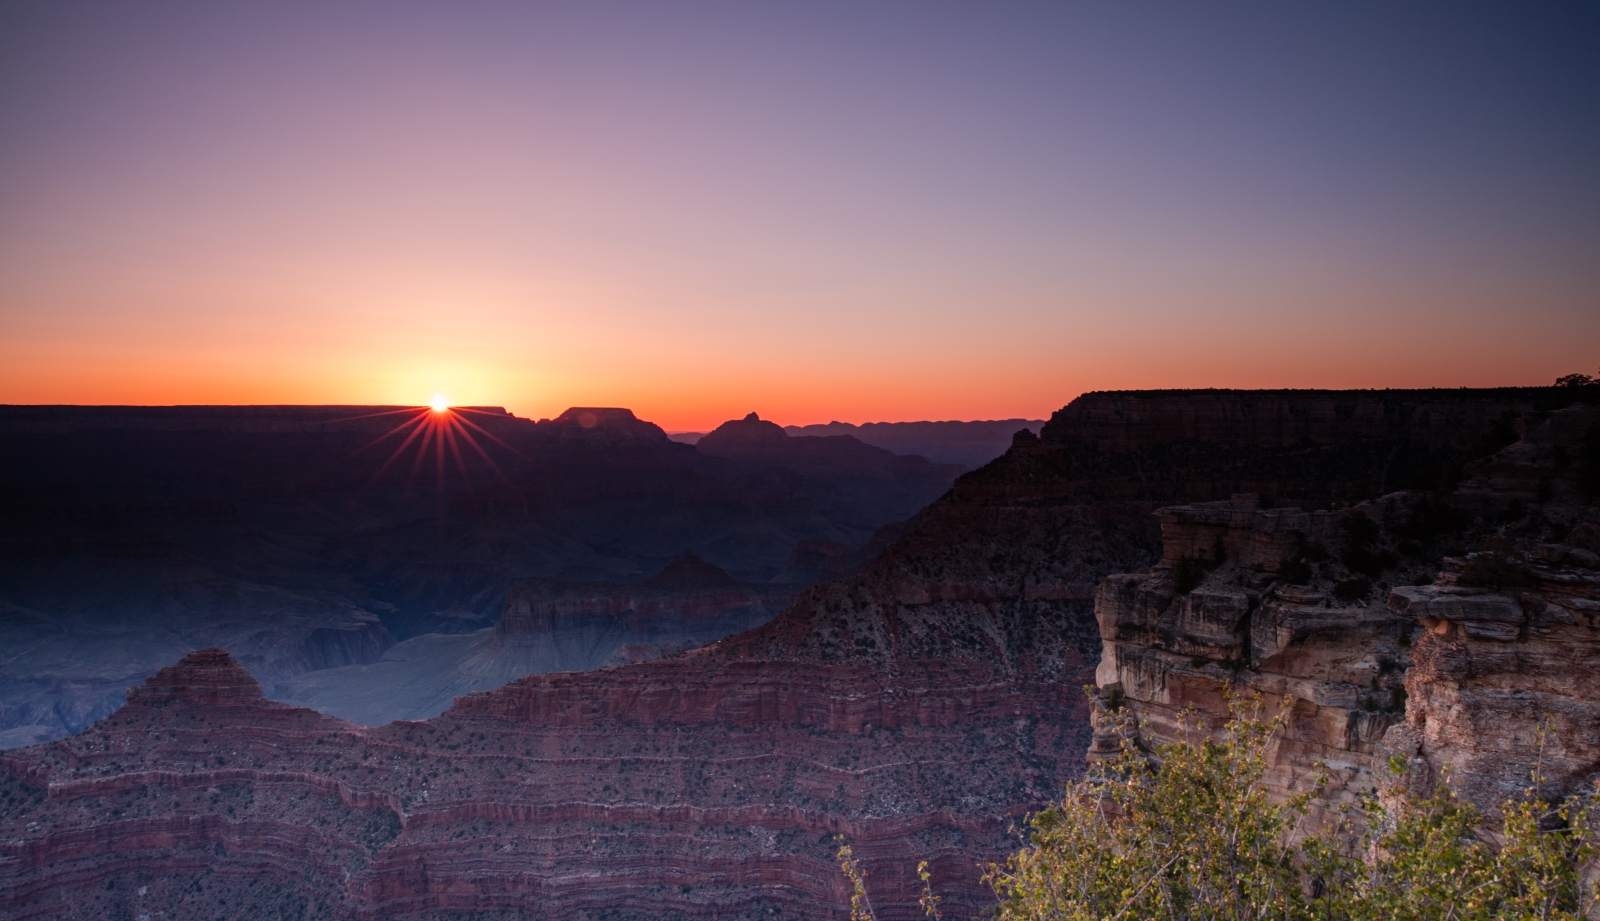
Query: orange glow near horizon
{"x": 857, "y": 212}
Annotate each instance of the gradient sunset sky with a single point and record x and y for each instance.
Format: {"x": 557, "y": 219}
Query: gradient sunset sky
{"x": 859, "y": 211}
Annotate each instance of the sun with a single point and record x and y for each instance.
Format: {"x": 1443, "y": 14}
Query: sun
{"x": 439, "y": 403}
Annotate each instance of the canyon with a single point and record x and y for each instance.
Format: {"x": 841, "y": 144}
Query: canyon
{"x": 547, "y": 626}
{"x": 310, "y": 540}
{"x": 917, "y": 708}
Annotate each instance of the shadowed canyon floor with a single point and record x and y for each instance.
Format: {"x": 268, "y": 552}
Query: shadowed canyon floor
{"x": 915, "y": 708}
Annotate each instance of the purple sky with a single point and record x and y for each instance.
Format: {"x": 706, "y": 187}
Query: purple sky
{"x": 855, "y": 211}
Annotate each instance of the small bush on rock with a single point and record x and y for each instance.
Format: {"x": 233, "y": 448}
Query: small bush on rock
{"x": 1497, "y": 564}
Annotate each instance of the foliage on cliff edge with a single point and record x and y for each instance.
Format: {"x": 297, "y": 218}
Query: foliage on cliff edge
{"x": 1189, "y": 835}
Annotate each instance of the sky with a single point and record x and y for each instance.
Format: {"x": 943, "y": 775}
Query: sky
{"x": 856, "y": 211}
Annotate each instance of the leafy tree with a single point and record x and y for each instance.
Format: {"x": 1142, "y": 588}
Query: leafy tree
{"x": 1190, "y": 835}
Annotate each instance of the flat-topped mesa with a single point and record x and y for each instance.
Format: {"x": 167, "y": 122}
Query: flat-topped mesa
{"x": 605, "y": 423}
{"x": 1125, "y": 420}
{"x": 207, "y": 677}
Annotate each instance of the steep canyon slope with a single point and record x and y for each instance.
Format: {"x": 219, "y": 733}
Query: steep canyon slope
{"x": 915, "y": 708}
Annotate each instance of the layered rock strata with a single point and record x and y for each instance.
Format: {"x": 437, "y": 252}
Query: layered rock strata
{"x": 1219, "y": 615}
{"x": 915, "y": 708}
{"x": 1503, "y": 683}
{"x": 547, "y": 626}
{"x": 1476, "y": 668}
{"x": 700, "y": 786}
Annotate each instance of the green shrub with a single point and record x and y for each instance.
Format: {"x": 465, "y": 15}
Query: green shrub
{"x": 1190, "y": 835}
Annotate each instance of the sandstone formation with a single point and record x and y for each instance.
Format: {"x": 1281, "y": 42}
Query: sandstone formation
{"x": 916, "y": 707}
{"x": 1222, "y": 611}
{"x": 1509, "y": 635}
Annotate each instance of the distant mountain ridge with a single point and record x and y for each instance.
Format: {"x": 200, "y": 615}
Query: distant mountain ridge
{"x": 308, "y": 538}
{"x": 970, "y": 444}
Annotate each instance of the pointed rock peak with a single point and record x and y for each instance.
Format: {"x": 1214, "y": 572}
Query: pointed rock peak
{"x": 691, "y": 572}
{"x": 207, "y": 677}
{"x": 750, "y": 429}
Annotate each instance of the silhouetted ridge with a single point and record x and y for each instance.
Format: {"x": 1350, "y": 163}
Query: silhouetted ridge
{"x": 606, "y": 422}
{"x": 750, "y": 431}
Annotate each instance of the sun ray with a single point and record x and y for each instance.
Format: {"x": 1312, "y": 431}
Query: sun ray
{"x": 387, "y": 412}
{"x": 455, "y": 449}
{"x": 473, "y": 443}
{"x": 438, "y": 439}
{"x": 421, "y": 415}
{"x": 491, "y": 436}
{"x": 422, "y": 453}
{"x": 395, "y": 455}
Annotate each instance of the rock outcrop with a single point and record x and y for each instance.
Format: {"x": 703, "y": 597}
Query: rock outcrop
{"x": 1455, "y": 630}
{"x": 1503, "y": 676}
{"x": 1222, "y": 613}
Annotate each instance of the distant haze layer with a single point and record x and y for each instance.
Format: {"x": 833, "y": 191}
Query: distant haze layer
{"x": 971, "y": 444}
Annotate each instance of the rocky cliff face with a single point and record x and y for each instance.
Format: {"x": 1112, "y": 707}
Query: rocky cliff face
{"x": 1509, "y": 634}
{"x": 915, "y": 707}
{"x": 547, "y": 626}
{"x": 583, "y": 625}
{"x": 1443, "y": 628}
{"x": 1235, "y": 605}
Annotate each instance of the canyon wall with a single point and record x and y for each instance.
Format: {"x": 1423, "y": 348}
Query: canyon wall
{"x": 1439, "y": 631}
{"x": 547, "y": 626}
{"x": 916, "y": 708}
